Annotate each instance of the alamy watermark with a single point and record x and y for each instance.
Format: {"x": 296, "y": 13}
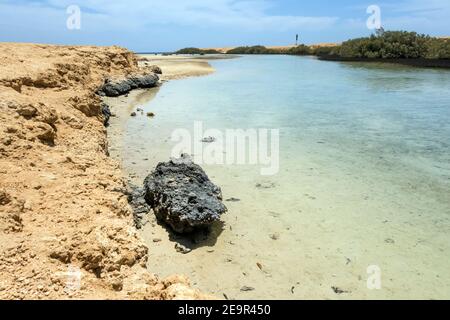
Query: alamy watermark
{"x": 73, "y": 22}
{"x": 374, "y": 277}
{"x": 231, "y": 146}
{"x": 72, "y": 279}
{"x": 374, "y": 20}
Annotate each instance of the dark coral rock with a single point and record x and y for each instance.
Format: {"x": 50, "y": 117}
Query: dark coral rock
{"x": 124, "y": 86}
{"x": 181, "y": 195}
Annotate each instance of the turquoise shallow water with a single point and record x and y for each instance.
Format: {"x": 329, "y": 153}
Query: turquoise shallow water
{"x": 364, "y": 178}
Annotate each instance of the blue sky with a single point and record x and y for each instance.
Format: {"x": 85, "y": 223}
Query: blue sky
{"x": 165, "y": 25}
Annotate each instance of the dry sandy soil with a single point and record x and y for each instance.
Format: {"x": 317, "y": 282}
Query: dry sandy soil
{"x": 65, "y": 224}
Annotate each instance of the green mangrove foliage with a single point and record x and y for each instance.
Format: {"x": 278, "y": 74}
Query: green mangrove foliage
{"x": 252, "y": 50}
{"x": 301, "y": 50}
{"x": 196, "y": 51}
{"x": 395, "y": 45}
{"x": 438, "y": 48}
{"x": 298, "y": 50}
{"x": 326, "y": 51}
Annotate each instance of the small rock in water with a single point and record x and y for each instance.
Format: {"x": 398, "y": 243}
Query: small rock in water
{"x": 246, "y": 289}
{"x": 208, "y": 139}
{"x": 265, "y": 185}
{"x": 133, "y": 114}
{"x": 157, "y": 240}
{"x": 182, "y": 249}
{"x": 275, "y": 236}
{"x": 150, "y": 114}
{"x": 139, "y": 110}
{"x": 389, "y": 240}
{"x": 338, "y": 290}
{"x": 233, "y": 200}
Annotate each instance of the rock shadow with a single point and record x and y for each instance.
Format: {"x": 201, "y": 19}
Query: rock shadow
{"x": 203, "y": 237}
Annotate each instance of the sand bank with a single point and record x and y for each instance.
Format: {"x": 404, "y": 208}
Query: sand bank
{"x": 179, "y": 66}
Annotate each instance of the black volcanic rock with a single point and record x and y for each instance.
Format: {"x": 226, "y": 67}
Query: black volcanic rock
{"x": 120, "y": 87}
{"x": 181, "y": 195}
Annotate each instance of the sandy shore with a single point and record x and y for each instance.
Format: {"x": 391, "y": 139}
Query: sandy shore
{"x": 178, "y": 67}
{"x": 66, "y": 227}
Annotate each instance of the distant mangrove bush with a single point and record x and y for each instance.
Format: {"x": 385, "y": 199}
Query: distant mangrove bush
{"x": 196, "y": 51}
{"x": 438, "y": 48}
{"x": 252, "y": 50}
{"x": 383, "y": 45}
{"x": 297, "y": 50}
{"x": 301, "y": 50}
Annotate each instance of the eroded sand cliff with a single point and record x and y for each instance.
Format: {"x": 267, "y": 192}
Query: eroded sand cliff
{"x": 64, "y": 213}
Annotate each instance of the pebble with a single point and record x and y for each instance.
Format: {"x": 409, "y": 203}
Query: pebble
{"x": 182, "y": 249}
{"x": 275, "y": 236}
{"x": 246, "y": 288}
{"x": 338, "y": 290}
{"x": 265, "y": 185}
{"x": 208, "y": 139}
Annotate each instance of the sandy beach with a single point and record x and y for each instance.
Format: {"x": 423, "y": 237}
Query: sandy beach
{"x": 178, "y": 67}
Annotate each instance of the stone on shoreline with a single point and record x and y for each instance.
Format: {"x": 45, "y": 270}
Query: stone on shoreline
{"x": 106, "y": 111}
{"x": 156, "y": 69}
{"x": 120, "y": 87}
{"x": 139, "y": 206}
{"x": 181, "y": 195}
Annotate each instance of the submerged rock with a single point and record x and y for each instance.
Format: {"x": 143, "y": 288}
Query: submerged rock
{"x": 208, "y": 139}
{"x": 120, "y": 87}
{"x": 181, "y": 195}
